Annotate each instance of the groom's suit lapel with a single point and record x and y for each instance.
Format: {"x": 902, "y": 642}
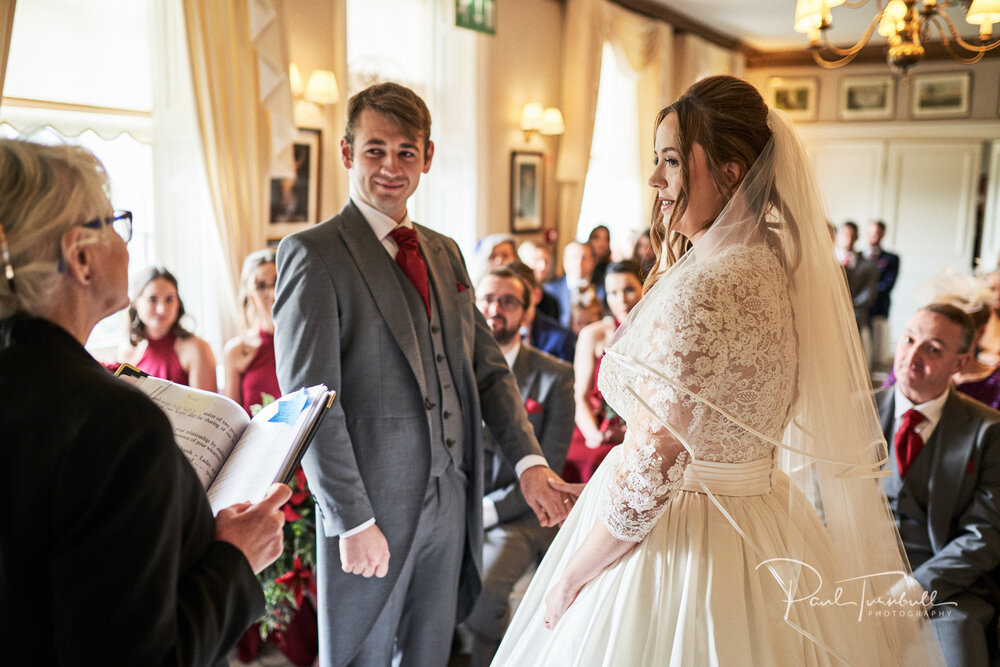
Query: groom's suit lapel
{"x": 376, "y": 268}
{"x": 444, "y": 285}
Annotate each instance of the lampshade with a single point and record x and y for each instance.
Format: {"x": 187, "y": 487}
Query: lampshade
{"x": 322, "y": 87}
{"x": 531, "y": 116}
{"x": 984, "y": 13}
{"x": 809, "y": 14}
{"x": 295, "y": 80}
{"x": 552, "y": 122}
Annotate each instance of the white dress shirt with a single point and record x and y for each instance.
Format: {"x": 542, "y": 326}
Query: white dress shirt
{"x": 931, "y": 410}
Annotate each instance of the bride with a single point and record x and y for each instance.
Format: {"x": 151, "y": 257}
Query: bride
{"x": 742, "y": 521}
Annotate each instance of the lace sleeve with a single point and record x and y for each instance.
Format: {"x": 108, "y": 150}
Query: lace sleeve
{"x": 717, "y": 338}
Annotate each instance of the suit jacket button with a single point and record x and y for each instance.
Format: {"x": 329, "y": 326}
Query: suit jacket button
{"x": 449, "y": 442}
{"x": 440, "y": 358}
{"x": 446, "y": 414}
{"x": 435, "y": 328}
{"x": 428, "y": 404}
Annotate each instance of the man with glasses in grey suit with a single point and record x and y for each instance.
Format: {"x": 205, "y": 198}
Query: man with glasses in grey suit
{"x": 382, "y": 310}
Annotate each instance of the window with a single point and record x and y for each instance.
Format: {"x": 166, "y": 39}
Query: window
{"x": 614, "y": 193}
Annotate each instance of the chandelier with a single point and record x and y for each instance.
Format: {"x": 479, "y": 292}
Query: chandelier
{"x": 906, "y": 25}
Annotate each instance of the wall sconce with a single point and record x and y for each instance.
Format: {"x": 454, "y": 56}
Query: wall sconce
{"x": 535, "y": 118}
{"x": 321, "y": 89}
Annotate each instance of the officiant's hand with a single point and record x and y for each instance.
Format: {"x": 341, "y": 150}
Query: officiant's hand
{"x": 549, "y": 505}
{"x": 256, "y": 529}
{"x": 366, "y": 553}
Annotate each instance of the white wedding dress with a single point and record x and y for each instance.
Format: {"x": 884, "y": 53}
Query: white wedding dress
{"x": 693, "y": 590}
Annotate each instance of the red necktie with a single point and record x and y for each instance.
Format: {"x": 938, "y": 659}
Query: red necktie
{"x": 409, "y": 259}
{"x": 908, "y": 441}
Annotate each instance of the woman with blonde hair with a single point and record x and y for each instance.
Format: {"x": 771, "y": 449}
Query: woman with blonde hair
{"x": 699, "y": 540}
{"x": 251, "y": 378}
{"x": 109, "y": 552}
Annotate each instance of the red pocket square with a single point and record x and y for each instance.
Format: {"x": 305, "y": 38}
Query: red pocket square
{"x": 968, "y": 468}
{"x": 461, "y": 287}
{"x": 533, "y": 407}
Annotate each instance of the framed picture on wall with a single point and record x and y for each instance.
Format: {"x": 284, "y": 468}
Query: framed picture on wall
{"x": 941, "y": 95}
{"x": 867, "y": 97}
{"x": 795, "y": 96}
{"x": 294, "y": 202}
{"x": 527, "y": 189}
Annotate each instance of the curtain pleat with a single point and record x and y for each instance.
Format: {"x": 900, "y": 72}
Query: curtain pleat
{"x": 6, "y": 28}
{"x": 233, "y": 125}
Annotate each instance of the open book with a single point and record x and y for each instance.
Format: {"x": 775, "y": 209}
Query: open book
{"x": 235, "y": 457}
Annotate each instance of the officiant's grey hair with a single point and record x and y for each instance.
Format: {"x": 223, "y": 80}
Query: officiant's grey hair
{"x": 45, "y": 190}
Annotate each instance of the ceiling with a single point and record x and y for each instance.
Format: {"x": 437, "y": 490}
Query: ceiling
{"x": 766, "y": 25}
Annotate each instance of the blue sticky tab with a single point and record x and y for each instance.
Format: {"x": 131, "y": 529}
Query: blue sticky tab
{"x": 289, "y": 407}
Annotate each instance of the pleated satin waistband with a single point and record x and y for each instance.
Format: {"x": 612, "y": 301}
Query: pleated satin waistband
{"x": 752, "y": 478}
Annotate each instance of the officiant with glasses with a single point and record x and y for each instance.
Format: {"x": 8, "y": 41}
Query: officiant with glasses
{"x": 108, "y": 546}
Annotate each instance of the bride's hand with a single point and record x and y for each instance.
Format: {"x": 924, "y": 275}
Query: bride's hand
{"x": 557, "y": 601}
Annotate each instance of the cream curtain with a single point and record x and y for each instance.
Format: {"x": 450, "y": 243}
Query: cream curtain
{"x": 234, "y": 128}
{"x": 647, "y": 45}
{"x": 6, "y": 28}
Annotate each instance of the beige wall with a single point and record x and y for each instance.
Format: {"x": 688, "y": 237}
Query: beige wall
{"x": 521, "y": 63}
{"x": 312, "y": 26}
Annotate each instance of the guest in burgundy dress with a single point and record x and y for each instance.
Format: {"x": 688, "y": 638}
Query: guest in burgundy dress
{"x": 597, "y": 429}
{"x": 157, "y": 343}
{"x": 977, "y": 379}
{"x": 251, "y": 379}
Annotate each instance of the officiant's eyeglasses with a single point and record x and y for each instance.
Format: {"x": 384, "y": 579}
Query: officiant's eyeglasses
{"x": 506, "y": 301}
{"x": 120, "y": 221}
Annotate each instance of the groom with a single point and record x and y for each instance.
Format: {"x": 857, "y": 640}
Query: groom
{"x": 382, "y": 310}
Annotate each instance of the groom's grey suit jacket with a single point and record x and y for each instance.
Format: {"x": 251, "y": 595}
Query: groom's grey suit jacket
{"x": 341, "y": 320}
{"x": 963, "y": 483}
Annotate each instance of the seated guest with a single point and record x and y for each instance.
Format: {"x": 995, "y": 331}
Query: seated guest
{"x": 643, "y": 255}
{"x": 109, "y": 553}
{"x": 578, "y": 267}
{"x": 157, "y": 343}
{"x": 585, "y": 308}
{"x": 514, "y": 540}
{"x": 251, "y": 379}
{"x": 944, "y": 481}
{"x": 493, "y": 250}
{"x": 972, "y": 296}
{"x": 989, "y": 342}
{"x": 600, "y": 242}
{"x": 598, "y": 430}
{"x": 543, "y": 332}
{"x": 538, "y": 256}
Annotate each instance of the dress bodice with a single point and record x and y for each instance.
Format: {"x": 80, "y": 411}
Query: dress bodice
{"x": 709, "y": 362}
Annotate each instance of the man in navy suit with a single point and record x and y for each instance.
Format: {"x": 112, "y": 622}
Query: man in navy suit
{"x": 888, "y": 270}
{"x": 578, "y": 271}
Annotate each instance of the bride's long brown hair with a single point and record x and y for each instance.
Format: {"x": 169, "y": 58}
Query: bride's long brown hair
{"x": 728, "y": 118}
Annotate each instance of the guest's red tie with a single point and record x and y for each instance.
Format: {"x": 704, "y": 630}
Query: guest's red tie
{"x": 908, "y": 441}
{"x": 409, "y": 259}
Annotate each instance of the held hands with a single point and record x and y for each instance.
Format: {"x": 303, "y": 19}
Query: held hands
{"x": 255, "y": 529}
{"x": 366, "y": 553}
{"x": 549, "y": 505}
{"x": 572, "y": 490}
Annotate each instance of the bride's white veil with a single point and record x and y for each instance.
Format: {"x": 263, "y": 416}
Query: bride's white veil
{"x": 833, "y": 448}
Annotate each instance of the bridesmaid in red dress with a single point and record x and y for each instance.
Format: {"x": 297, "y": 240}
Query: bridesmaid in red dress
{"x": 251, "y": 379}
{"x": 598, "y": 430}
{"x": 157, "y": 343}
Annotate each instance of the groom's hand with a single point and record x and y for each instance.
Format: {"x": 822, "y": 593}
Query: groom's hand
{"x": 549, "y": 505}
{"x": 366, "y": 553}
